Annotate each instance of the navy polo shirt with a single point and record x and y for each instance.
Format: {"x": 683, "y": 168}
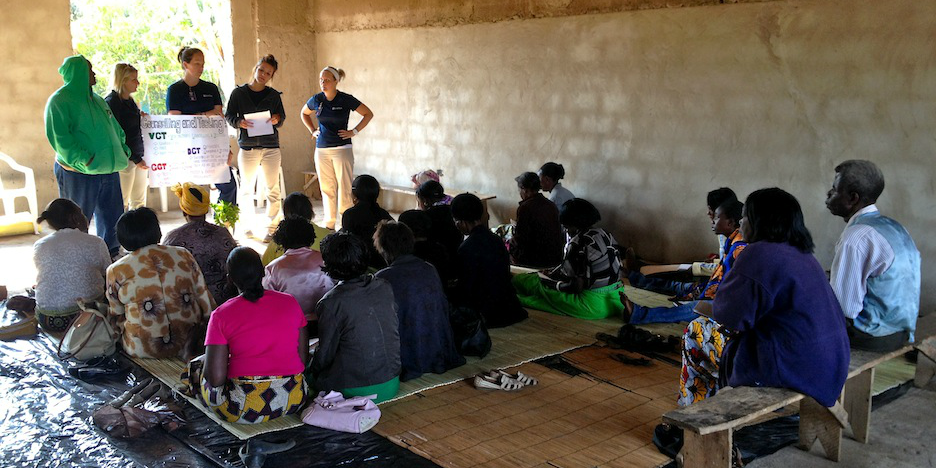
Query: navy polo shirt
{"x": 332, "y": 116}
{"x": 191, "y": 100}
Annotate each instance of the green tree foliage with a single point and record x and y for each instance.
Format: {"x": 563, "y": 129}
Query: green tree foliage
{"x": 148, "y": 35}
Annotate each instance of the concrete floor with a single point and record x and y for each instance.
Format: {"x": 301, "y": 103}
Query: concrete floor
{"x": 902, "y": 435}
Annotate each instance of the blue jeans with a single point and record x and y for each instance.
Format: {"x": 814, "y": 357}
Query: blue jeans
{"x": 681, "y": 313}
{"x": 662, "y": 286}
{"x": 99, "y": 197}
{"x": 228, "y": 190}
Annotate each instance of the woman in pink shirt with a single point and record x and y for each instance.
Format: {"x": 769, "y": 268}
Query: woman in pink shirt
{"x": 299, "y": 271}
{"x": 256, "y": 346}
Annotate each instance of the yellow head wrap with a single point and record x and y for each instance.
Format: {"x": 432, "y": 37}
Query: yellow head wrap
{"x": 191, "y": 205}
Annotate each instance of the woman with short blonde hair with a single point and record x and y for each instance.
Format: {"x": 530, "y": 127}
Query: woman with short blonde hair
{"x": 133, "y": 179}
{"x": 334, "y": 160}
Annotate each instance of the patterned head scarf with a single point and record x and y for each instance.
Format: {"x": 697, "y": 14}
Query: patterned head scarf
{"x": 188, "y": 202}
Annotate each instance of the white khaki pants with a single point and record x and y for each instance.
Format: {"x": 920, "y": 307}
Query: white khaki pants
{"x": 248, "y": 162}
{"x": 133, "y": 185}
{"x": 334, "y": 166}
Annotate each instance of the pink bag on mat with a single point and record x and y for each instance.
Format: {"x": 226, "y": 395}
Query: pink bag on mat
{"x": 331, "y": 410}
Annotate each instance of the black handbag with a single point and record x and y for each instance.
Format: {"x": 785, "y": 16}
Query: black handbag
{"x": 471, "y": 334}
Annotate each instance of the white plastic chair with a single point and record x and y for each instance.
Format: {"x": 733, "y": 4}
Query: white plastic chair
{"x": 28, "y": 192}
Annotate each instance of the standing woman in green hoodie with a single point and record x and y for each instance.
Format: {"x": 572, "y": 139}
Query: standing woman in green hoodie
{"x": 192, "y": 96}
{"x": 90, "y": 149}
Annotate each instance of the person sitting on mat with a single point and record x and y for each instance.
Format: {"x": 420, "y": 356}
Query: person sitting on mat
{"x": 209, "y": 243}
{"x": 70, "y": 265}
{"x": 428, "y": 250}
{"x": 537, "y": 237}
{"x": 295, "y": 205}
{"x": 550, "y": 174}
{"x": 725, "y": 223}
{"x": 483, "y": 266}
{"x": 428, "y": 345}
{"x": 158, "y": 299}
{"x": 359, "y": 347}
{"x": 431, "y": 198}
{"x": 256, "y": 346}
{"x": 298, "y": 272}
{"x": 362, "y": 218}
{"x": 586, "y": 284}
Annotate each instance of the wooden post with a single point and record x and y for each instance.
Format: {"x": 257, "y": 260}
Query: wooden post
{"x": 857, "y": 402}
{"x": 705, "y": 451}
{"x": 825, "y": 424}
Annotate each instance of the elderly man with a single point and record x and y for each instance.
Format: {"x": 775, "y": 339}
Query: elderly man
{"x": 90, "y": 148}
{"x": 876, "y": 270}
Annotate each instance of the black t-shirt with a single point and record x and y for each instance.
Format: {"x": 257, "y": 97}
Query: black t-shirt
{"x": 256, "y": 97}
{"x": 191, "y": 100}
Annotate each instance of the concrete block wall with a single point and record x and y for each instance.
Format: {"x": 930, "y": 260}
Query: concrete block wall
{"x": 34, "y": 39}
{"x": 648, "y": 110}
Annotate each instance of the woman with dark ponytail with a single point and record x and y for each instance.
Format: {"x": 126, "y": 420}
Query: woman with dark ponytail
{"x": 258, "y": 152}
{"x": 256, "y": 342}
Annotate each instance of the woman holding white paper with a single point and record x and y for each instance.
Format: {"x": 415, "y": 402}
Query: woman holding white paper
{"x": 256, "y": 110}
{"x": 334, "y": 160}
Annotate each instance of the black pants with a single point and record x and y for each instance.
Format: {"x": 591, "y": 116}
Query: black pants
{"x": 880, "y": 344}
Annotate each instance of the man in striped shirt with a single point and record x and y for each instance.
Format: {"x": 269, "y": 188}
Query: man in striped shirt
{"x": 876, "y": 269}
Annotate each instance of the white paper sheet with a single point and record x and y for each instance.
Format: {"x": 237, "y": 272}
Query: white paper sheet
{"x": 261, "y": 124}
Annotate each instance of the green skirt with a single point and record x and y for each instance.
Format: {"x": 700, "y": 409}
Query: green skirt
{"x": 591, "y": 304}
{"x": 384, "y": 391}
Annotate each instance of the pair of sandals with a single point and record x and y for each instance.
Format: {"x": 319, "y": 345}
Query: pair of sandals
{"x": 502, "y": 380}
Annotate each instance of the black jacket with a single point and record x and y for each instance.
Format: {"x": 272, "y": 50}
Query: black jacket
{"x": 240, "y": 104}
{"x": 128, "y": 116}
{"x": 359, "y": 336}
{"x": 484, "y": 280}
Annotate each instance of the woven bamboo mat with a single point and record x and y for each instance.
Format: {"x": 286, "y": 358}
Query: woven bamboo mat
{"x": 169, "y": 372}
{"x": 565, "y": 422}
{"x": 890, "y": 374}
{"x": 543, "y": 334}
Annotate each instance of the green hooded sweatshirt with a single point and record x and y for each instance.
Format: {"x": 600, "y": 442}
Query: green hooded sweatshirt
{"x": 81, "y": 127}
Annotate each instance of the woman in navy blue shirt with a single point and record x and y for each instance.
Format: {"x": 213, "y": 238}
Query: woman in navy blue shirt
{"x": 334, "y": 160}
{"x": 192, "y": 96}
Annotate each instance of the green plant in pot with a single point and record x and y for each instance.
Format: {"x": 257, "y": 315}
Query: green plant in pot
{"x": 225, "y": 214}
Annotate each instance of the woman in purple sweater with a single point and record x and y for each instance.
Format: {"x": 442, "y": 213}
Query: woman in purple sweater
{"x": 785, "y": 325}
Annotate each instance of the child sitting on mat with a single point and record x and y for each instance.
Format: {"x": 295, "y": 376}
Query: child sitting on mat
{"x": 586, "y": 284}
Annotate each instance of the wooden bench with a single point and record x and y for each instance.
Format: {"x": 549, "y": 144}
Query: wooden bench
{"x": 708, "y": 425}
{"x": 404, "y": 190}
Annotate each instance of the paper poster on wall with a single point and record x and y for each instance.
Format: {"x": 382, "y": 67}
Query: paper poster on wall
{"x": 185, "y": 148}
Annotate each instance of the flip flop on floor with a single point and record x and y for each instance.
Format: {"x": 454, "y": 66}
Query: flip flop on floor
{"x": 497, "y": 383}
{"x": 524, "y": 379}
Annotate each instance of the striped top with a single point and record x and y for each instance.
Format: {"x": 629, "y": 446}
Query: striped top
{"x": 861, "y": 253}
{"x": 592, "y": 255}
